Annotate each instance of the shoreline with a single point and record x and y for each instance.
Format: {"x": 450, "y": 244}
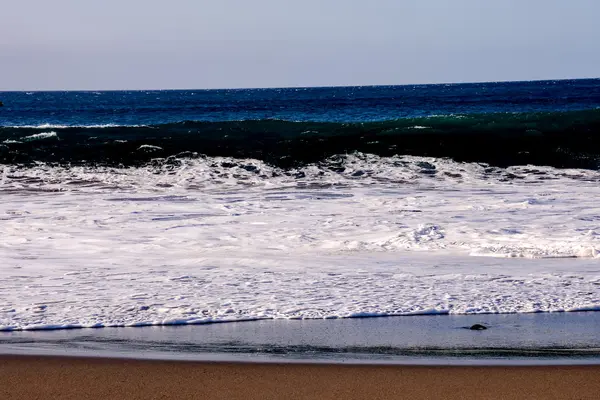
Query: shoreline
{"x": 223, "y": 358}
{"x": 511, "y": 339}
{"x": 77, "y": 377}
{"x": 178, "y": 323}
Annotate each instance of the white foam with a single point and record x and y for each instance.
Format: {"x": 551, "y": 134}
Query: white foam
{"x": 40, "y": 136}
{"x": 217, "y": 239}
{"x": 149, "y": 147}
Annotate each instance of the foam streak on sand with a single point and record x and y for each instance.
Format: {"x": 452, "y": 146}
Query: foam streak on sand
{"x": 217, "y": 239}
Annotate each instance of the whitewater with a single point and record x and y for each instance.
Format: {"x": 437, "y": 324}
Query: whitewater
{"x": 195, "y": 240}
{"x": 137, "y": 208}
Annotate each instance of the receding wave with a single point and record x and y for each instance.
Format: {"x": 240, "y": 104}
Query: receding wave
{"x": 559, "y": 139}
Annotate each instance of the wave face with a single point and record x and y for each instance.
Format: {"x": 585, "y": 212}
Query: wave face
{"x": 560, "y": 139}
{"x": 552, "y": 123}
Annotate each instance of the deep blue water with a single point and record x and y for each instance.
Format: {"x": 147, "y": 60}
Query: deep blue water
{"x": 548, "y": 122}
{"x": 341, "y": 104}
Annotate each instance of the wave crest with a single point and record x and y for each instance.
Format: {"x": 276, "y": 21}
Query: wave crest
{"x": 558, "y": 139}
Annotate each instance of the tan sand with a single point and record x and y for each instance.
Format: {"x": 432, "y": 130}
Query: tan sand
{"x": 27, "y": 377}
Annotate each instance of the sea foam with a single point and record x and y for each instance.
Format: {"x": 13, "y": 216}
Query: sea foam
{"x": 40, "y": 136}
{"x": 204, "y": 240}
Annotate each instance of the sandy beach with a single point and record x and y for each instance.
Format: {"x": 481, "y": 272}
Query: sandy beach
{"x": 34, "y": 377}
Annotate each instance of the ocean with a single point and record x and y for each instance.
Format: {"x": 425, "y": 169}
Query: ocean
{"x": 144, "y": 208}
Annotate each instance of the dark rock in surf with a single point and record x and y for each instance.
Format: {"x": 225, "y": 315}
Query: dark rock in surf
{"x": 250, "y": 168}
{"x": 478, "y": 327}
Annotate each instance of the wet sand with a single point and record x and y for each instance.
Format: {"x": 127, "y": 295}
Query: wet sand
{"x": 542, "y": 339}
{"x": 35, "y": 377}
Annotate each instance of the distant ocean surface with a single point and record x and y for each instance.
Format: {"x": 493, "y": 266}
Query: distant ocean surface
{"x": 134, "y": 208}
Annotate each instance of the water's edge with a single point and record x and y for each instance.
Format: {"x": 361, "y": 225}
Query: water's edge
{"x": 517, "y": 339}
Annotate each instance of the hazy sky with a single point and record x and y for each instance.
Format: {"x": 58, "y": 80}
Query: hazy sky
{"x": 143, "y": 44}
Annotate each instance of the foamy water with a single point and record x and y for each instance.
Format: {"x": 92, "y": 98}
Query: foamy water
{"x": 218, "y": 239}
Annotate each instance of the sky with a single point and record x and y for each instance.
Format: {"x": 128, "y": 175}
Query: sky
{"x": 179, "y": 44}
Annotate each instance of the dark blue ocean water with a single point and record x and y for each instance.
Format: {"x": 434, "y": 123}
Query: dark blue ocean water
{"x": 547, "y": 122}
{"x": 340, "y": 104}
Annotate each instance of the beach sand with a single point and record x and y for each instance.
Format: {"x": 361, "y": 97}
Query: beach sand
{"x": 41, "y": 377}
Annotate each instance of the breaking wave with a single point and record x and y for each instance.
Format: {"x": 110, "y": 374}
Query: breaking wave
{"x": 558, "y": 139}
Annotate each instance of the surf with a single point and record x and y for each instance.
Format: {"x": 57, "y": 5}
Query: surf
{"x": 562, "y": 139}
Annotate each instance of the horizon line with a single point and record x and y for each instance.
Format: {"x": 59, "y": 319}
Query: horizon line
{"x": 308, "y": 87}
